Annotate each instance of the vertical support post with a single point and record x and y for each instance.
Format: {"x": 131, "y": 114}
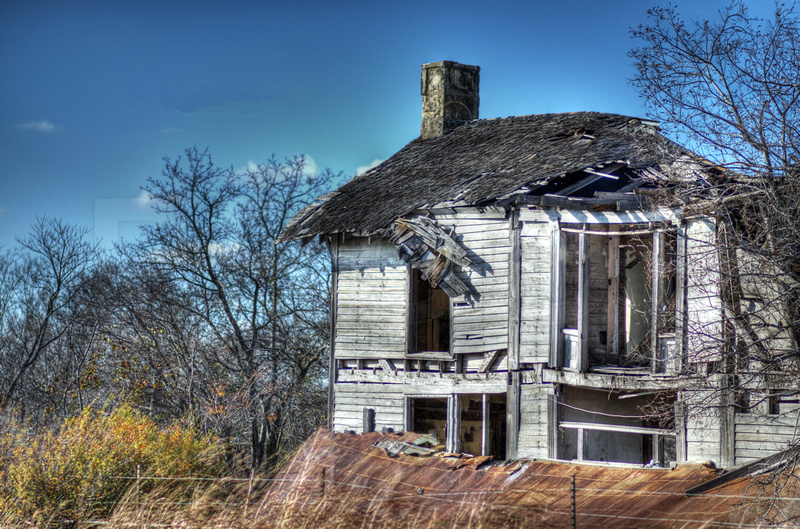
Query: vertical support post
{"x": 680, "y": 430}
{"x": 334, "y": 301}
{"x": 409, "y": 415}
{"x": 658, "y": 449}
{"x": 612, "y": 330}
{"x": 368, "y": 420}
{"x": 553, "y": 420}
{"x": 453, "y": 441}
{"x": 513, "y": 414}
{"x": 583, "y": 297}
{"x": 727, "y": 421}
{"x": 573, "y": 503}
{"x": 581, "y": 445}
{"x": 557, "y": 293}
{"x": 514, "y": 294}
{"x": 411, "y": 311}
{"x": 485, "y": 424}
{"x": 514, "y": 310}
{"x": 656, "y": 360}
{"x": 680, "y": 299}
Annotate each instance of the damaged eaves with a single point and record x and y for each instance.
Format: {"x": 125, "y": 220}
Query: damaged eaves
{"x": 485, "y": 162}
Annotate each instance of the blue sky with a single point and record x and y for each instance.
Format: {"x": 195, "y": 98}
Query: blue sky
{"x": 94, "y": 94}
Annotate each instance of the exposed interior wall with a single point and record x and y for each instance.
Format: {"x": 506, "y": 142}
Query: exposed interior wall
{"x": 637, "y": 308}
{"x": 473, "y": 412}
{"x": 431, "y": 316}
{"x": 605, "y": 407}
{"x": 429, "y": 415}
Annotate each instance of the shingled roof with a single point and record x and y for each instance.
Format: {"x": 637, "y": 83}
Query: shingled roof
{"x": 481, "y": 162}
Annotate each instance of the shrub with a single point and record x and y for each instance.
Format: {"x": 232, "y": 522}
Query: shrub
{"x": 81, "y": 471}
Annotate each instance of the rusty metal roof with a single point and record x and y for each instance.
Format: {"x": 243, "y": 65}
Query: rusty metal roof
{"x": 345, "y": 480}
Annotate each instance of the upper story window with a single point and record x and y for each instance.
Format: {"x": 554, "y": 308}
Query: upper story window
{"x": 430, "y": 311}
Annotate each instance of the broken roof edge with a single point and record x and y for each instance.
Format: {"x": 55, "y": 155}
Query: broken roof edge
{"x": 551, "y": 137}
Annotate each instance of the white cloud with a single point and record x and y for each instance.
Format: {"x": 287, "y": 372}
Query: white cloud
{"x": 40, "y": 126}
{"x": 311, "y": 167}
{"x": 361, "y": 169}
{"x": 143, "y": 200}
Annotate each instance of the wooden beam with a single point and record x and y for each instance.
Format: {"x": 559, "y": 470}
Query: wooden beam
{"x": 453, "y": 441}
{"x": 485, "y": 425}
{"x": 557, "y": 293}
{"x": 656, "y": 295}
{"x": 612, "y": 326}
{"x": 334, "y": 301}
{"x": 386, "y": 365}
{"x": 680, "y": 298}
{"x": 553, "y": 419}
{"x": 583, "y": 300}
{"x": 411, "y": 308}
{"x": 488, "y": 360}
{"x": 514, "y": 294}
{"x": 641, "y": 430}
{"x": 727, "y": 422}
{"x": 680, "y": 429}
{"x": 513, "y": 414}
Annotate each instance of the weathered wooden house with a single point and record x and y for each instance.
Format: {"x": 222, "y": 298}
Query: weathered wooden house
{"x": 505, "y": 285}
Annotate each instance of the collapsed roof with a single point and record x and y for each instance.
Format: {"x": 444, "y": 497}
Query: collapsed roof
{"x": 483, "y": 162}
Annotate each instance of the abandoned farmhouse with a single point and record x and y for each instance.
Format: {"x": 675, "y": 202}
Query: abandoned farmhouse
{"x": 509, "y": 287}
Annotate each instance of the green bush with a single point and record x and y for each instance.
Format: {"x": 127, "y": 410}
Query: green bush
{"x": 83, "y": 470}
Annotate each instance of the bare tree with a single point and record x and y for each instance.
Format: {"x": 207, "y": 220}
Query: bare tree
{"x": 730, "y": 89}
{"x": 40, "y": 283}
{"x": 259, "y": 301}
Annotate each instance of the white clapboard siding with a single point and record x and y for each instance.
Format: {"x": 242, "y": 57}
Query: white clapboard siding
{"x": 533, "y": 425}
{"x": 758, "y": 436}
{"x": 704, "y": 306}
{"x": 535, "y": 279}
{"x": 702, "y": 427}
{"x": 372, "y": 300}
{"x": 350, "y": 399}
{"x": 480, "y": 318}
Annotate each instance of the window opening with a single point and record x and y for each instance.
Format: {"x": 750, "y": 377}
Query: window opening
{"x": 483, "y": 425}
{"x": 429, "y": 415}
{"x": 431, "y": 310}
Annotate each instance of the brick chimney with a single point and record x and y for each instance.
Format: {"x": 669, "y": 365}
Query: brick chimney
{"x": 449, "y": 96}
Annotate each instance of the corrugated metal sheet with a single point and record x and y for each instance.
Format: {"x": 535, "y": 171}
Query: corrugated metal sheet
{"x": 344, "y": 480}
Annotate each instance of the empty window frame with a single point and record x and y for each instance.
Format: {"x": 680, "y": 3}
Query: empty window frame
{"x": 430, "y": 316}
{"x": 608, "y": 306}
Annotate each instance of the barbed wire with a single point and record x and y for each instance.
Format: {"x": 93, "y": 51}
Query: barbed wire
{"x": 393, "y": 494}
